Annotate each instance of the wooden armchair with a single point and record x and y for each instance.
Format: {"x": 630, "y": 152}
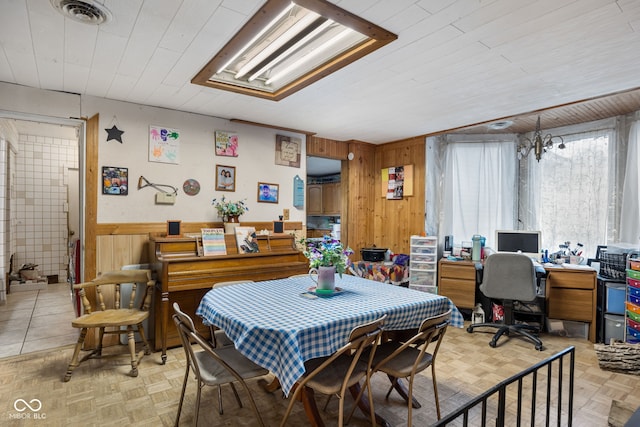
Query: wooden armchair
{"x": 125, "y": 319}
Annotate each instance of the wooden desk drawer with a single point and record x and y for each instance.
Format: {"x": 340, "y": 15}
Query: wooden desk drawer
{"x": 460, "y": 292}
{"x": 458, "y": 271}
{"x": 572, "y": 280}
{"x": 570, "y": 304}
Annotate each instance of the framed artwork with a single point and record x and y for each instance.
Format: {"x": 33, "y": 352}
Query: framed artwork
{"x": 226, "y": 143}
{"x": 288, "y": 151}
{"x": 268, "y": 193}
{"x": 225, "y": 178}
{"x": 173, "y": 228}
{"x": 115, "y": 180}
{"x": 164, "y": 145}
{"x": 247, "y": 240}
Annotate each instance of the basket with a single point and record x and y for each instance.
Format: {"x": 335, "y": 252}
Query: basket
{"x": 613, "y": 266}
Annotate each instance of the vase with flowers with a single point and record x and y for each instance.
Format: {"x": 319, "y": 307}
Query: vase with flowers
{"x": 326, "y": 258}
{"x": 229, "y": 212}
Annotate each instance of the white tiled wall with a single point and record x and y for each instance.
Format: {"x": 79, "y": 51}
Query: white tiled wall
{"x": 39, "y": 219}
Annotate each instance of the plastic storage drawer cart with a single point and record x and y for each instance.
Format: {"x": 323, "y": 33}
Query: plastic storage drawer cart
{"x": 632, "y": 313}
{"x": 423, "y": 263}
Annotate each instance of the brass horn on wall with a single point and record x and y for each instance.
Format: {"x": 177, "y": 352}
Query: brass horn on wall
{"x": 144, "y": 182}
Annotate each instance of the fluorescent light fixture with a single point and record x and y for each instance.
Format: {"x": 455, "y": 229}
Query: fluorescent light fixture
{"x": 313, "y": 54}
{"x": 256, "y": 37}
{"x": 286, "y": 46}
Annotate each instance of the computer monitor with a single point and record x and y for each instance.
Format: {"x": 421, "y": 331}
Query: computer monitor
{"x": 526, "y": 242}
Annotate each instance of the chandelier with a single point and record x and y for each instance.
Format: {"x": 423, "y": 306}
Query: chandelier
{"x": 539, "y": 144}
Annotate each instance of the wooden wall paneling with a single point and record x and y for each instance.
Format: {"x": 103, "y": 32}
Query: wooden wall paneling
{"x": 92, "y": 180}
{"x": 360, "y": 187}
{"x": 396, "y": 220}
{"x": 329, "y": 148}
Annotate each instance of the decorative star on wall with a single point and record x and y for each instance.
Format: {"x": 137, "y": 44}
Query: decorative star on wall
{"x": 114, "y": 133}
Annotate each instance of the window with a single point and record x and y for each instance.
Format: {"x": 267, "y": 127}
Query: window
{"x": 567, "y": 194}
{"x": 479, "y": 188}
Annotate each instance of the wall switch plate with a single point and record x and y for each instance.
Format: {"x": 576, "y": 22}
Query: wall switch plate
{"x": 165, "y": 199}
{"x": 285, "y": 214}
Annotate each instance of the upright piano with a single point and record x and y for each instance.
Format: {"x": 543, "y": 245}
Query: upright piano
{"x": 184, "y": 276}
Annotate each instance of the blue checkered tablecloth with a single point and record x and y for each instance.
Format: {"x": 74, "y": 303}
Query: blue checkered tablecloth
{"x": 274, "y": 325}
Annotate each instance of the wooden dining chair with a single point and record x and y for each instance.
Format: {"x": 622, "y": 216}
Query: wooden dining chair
{"x": 218, "y": 337}
{"x": 117, "y": 318}
{"x": 406, "y": 358}
{"x": 213, "y": 366}
{"x": 343, "y": 369}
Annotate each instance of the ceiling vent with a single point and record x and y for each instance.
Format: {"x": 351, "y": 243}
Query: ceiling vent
{"x": 84, "y": 11}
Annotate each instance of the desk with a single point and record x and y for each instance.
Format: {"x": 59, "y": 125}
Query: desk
{"x": 274, "y": 326}
{"x": 570, "y": 293}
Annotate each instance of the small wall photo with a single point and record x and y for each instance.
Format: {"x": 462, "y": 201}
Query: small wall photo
{"x": 268, "y": 193}
{"x": 225, "y": 178}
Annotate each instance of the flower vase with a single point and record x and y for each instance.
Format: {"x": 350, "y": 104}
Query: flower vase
{"x": 326, "y": 278}
{"x": 230, "y": 225}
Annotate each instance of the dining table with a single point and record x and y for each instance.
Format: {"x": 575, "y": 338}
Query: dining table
{"x": 279, "y": 324}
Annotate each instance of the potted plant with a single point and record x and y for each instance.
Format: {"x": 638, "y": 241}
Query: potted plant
{"x": 229, "y": 211}
{"x": 326, "y": 258}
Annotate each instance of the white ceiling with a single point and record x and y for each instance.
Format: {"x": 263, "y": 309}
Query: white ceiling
{"x": 455, "y": 63}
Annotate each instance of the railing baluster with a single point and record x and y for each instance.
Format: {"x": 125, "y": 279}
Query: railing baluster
{"x": 501, "y": 391}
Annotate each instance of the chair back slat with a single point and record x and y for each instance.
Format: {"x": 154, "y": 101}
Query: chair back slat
{"x": 431, "y": 331}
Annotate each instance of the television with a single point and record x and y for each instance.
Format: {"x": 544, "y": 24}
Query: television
{"x": 521, "y": 241}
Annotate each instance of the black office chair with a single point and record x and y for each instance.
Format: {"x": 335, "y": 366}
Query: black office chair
{"x": 509, "y": 277}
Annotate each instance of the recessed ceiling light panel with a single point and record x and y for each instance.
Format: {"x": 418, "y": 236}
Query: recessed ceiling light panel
{"x": 286, "y": 46}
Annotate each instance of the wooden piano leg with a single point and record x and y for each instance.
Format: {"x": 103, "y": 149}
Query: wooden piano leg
{"x": 164, "y": 324}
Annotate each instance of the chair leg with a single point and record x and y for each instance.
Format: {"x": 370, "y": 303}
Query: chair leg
{"x": 292, "y": 400}
{"x": 132, "y": 351}
{"x": 435, "y": 389}
{"x": 410, "y": 400}
{"x": 76, "y": 352}
{"x": 145, "y": 343}
{"x": 195, "y": 418}
{"x": 235, "y": 392}
{"x": 341, "y": 409}
{"x": 372, "y": 412}
{"x": 220, "y": 410}
{"x": 98, "y": 351}
{"x": 184, "y": 388}
{"x": 252, "y": 402}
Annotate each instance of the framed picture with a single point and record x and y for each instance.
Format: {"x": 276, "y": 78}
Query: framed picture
{"x": 225, "y": 178}
{"x": 164, "y": 145}
{"x": 115, "y": 180}
{"x": 226, "y": 143}
{"x": 268, "y": 193}
{"x": 173, "y": 228}
{"x": 288, "y": 151}
{"x": 247, "y": 240}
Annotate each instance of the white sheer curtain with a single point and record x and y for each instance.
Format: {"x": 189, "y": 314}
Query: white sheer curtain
{"x": 566, "y": 194}
{"x": 479, "y": 187}
{"x": 630, "y": 209}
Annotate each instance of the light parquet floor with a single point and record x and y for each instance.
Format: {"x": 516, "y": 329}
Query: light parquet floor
{"x": 101, "y": 394}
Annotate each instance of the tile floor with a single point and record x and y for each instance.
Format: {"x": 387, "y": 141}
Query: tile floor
{"x": 37, "y": 320}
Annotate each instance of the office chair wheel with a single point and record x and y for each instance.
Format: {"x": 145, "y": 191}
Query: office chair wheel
{"x": 470, "y": 329}
{"x": 493, "y": 343}
{"x": 539, "y": 347}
